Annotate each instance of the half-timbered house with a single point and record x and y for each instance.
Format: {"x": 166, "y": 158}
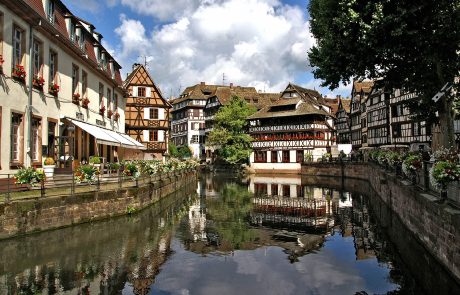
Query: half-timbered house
{"x": 377, "y": 117}
{"x": 297, "y": 123}
{"x": 359, "y": 94}
{"x": 146, "y": 114}
{"x": 187, "y": 118}
{"x": 222, "y": 97}
{"x": 342, "y": 121}
{"x": 405, "y": 128}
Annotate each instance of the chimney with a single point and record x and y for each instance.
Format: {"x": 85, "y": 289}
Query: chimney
{"x": 231, "y": 85}
{"x": 135, "y": 65}
{"x": 202, "y": 83}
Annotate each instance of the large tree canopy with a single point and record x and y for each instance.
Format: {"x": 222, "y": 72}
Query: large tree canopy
{"x": 229, "y": 135}
{"x": 413, "y": 45}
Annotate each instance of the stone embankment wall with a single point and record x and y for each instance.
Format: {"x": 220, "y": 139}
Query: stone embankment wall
{"x": 436, "y": 226}
{"x": 23, "y": 217}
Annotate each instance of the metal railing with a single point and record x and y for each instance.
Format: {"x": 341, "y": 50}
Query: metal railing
{"x": 65, "y": 185}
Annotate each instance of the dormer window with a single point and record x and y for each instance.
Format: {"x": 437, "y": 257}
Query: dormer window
{"x": 72, "y": 32}
{"x": 50, "y": 11}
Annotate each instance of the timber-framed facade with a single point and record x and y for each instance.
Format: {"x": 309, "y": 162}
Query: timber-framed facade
{"x": 146, "y": 114}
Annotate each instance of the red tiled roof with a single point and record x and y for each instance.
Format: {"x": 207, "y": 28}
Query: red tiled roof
{"x": 118, "y": 78}
{"x": 59, "y": 22}
{"x": 90, "y": 51}
{"x": 37, "y": 5}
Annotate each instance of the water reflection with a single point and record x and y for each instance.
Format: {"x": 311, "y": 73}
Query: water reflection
{"x": 263, "y": 234}
{"x": 100, "y": 258}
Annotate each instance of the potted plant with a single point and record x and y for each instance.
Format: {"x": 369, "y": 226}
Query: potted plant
{"x": 411, "y": 165}
{"x": 308, "y": 157}
{"x": 38, "y": 82}
{"x": 19, "y": 73}
{"x": 95, "y": 161}
{"x": 131, "y": 170}
{"x": 30, "y": 176}
{"x": 53, "y": 89}
{"x": 85, "y": 102}
{"x": 113, "y": 167}
{"x": 87, "y": 173}
{"x": 102, "y": 110}
{"x": 48, "y": 166}
{"x": 109, "y": 114}
{"x": 442, "y": 173}
{"x": 76, "y": 98}
{"x": 116, "y": 116}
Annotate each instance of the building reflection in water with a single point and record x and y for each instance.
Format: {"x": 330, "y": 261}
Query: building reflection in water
{"x": 101, "y": 258}
{"x": 228, "y": 214}
{"x": 277, "y": 211}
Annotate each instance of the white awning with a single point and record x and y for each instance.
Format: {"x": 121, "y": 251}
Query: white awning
{"x": 135, "y": 142}
{"x": 108, "y": 137}
{"x": 101, "y": 136}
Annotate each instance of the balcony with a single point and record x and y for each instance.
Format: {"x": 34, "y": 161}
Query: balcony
{"x": 155, "y": 146}
{"x": 292, "y": 127}
{"x": 290, "y": 144}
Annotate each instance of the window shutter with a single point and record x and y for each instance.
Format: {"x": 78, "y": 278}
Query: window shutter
{"x": 135, "y": 91}
{"x": 146, "y": 113}
{"x": 146, "y": 135}
{"x": 161, "y": 114}
{"x": 161, "y": 136}
{"x": 148, "y": 91}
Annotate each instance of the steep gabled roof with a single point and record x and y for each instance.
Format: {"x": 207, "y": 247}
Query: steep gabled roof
{"x": 141, "y": 77}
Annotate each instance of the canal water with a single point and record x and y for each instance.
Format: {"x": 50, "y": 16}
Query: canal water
{"x": 227, "y": 235}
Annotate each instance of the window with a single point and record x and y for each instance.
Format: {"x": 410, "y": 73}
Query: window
{"x": 397, "y": 130}
{"x": 274, "y": 188}
{"x": 37, "y": 57}
{"x": 286, "y": 157}
{"x": 72, "y": 32}
{"x": 109, "y": 96}
{"x": 84, "y": 83}
{"x": 274, "y": 157}
{"x": 115, "y": 99}
{"x": 50, "y": 11}
{"x": 36, "y": 140}
{"x": 16, "y": 137}
{"x": 51, "y": 136}
{"x": 153, "y": 135}
{"x": 53, "y": 66}
{"x": 153, "y": 113}
{"x": 286, "y": 190}
{"x": 75, "y": 78}
{"x": 299, "y": 156}
{"x": 101, "y": 94}
{"x": 260, "y": 156}
{"x": 195, "y": 139}
{"x": 141, "y": 91}
{"x": 18, "y": 46}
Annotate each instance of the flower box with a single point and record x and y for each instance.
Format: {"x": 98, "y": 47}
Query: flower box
{"x": 19, "y": 73}
{"x": 38, "y": 82}
{"x": 76, "y": 98}
{"x": 85, "y": 102}
{"x": 53, "y": 89}
{"x": 102, "y": 110}
{"x": 109, "y": 114}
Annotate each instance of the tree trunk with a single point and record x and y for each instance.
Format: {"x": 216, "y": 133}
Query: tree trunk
{"x": 444, "y": 137}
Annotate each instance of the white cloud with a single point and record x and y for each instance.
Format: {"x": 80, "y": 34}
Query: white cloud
{"x": 260, "y": 43}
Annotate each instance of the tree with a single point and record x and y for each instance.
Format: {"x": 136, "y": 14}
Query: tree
{"x": 412, "y": 45}
{"x": 184, "y": 151}
{"x": 173, "y": 152}
{"x": 229, "y": 135}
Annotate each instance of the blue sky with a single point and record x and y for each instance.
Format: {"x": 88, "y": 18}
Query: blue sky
{"x": 260, "y": 43}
